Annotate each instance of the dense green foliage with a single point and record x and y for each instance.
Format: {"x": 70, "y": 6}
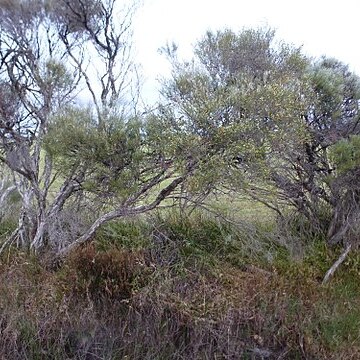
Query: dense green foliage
{"x": 345, "y": 154}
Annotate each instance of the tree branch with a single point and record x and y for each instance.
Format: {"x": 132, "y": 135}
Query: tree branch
{"x": 336, "y": 264}
{"x": 121, "y": 212}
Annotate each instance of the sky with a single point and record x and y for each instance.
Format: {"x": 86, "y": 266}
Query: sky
{"x": 321, "y": 27}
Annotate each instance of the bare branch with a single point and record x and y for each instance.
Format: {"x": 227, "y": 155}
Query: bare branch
{"x": 121, "y": 212}
{"x": 336, "y": 264}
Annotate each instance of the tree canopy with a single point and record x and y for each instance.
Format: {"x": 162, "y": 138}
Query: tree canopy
{"x": 282, "y": 127}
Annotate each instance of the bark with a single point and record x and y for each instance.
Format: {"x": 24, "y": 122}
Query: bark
{"x": 38, "y": 240}
{"x": 5, "y": 194}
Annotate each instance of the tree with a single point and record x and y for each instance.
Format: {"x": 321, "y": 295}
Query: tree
{"x": 316, "y": 182}
{"x": 33, "y": 85}
{"x": 334, "y": 125}
{"x": 103, "y": 160}
{"x": 277, "y": 125}
{"x": 239, "y": 97}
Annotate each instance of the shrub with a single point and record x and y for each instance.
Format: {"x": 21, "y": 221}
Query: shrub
{"x": 107, "y": 274}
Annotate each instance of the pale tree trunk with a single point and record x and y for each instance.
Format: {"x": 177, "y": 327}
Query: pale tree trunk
{"x": 27, "y": 223}
{"x": 46, "y": 214}
{"x": 336, "y": 264}
{"x": 38, "y": 240}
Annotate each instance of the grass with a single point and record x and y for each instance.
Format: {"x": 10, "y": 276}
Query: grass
{"x": 182, "y": 287}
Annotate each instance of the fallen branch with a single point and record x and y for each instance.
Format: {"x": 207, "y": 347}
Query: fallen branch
{"x": 336, "y": 264}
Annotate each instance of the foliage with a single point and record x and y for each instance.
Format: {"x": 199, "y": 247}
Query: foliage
{"x": 247, "y": 118}
{"x": 111, "y": 157}
{"x": 240, "y": 97}
{"x": 345, "y": 154}
{"x": 272, "y": 124}
{"x": 103, "y": 159}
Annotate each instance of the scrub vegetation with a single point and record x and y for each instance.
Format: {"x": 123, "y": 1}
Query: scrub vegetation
{"x": 223, "y": 223}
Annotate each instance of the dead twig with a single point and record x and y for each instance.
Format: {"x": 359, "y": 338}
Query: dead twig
{"x": 336, "y": 264}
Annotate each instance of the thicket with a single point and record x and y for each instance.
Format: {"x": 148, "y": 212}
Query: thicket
{"x": 248, "y": 116}
{"x": 124, "y": 231}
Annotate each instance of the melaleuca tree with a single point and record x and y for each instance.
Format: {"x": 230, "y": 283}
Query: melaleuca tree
{"x": 317, "y": 184}
{"x": 334, "y": 124}
{"x": 239, "y": 98}
{"x": 34, "y": 84}
{"x": 102, "y": 162}
{"x": 267, "y": 120}
{"x": 128, "y": 166}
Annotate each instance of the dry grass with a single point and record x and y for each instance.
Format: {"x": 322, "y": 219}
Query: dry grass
{"x": 179, "y": 295}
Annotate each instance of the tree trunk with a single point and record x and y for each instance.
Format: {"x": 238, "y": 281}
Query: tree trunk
{"x": 38, "y": 240}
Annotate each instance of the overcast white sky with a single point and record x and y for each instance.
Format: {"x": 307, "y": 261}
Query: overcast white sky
{"x": 328, "y": 27}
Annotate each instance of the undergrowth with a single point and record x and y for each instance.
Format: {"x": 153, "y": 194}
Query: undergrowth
{"x": 182, "y": 287}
